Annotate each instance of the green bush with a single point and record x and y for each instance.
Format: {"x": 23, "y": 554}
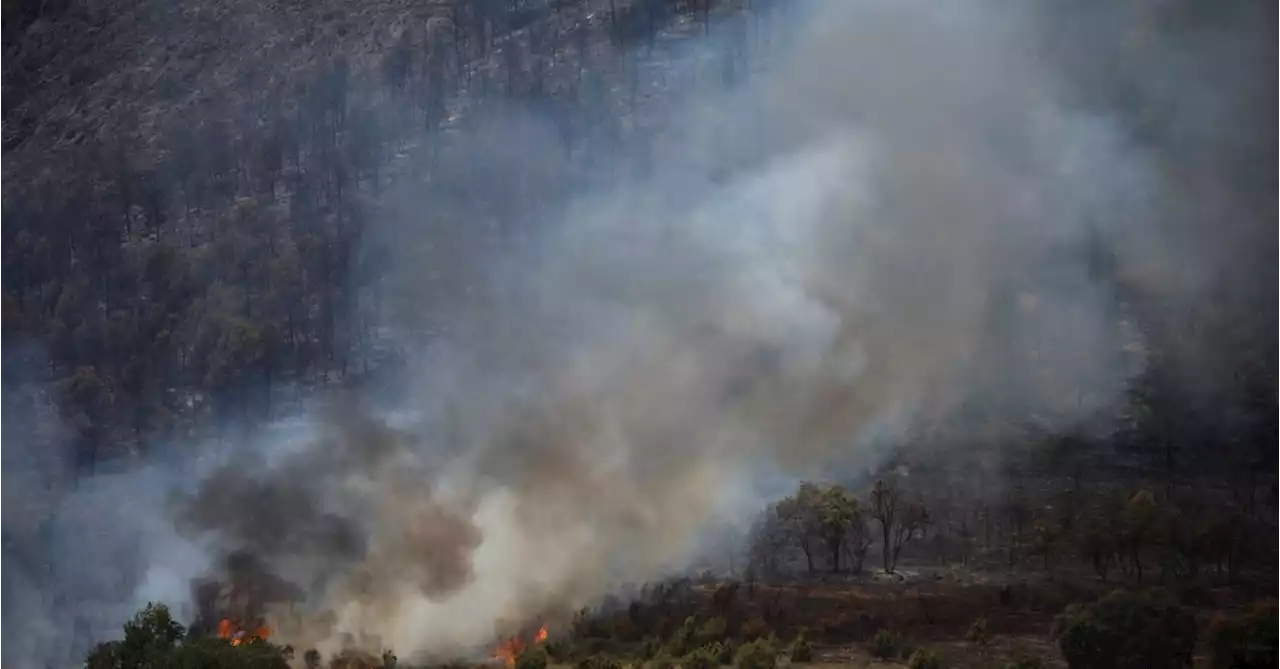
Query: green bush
{"x": 650, "y": 648}
{"x": 713, "y": 649}
{"x": 683, "y": 641}
{"x": 801, "y": 649}
{"x": 758, "y": 654}
{"x": 725, "y": 651}
{"x": 713, "y": 630}
{"x": 978, "y": 632}
{"x": 154, "y": 639}
{"x": 885, "y": 644}
{"x": 1024, "y": 663}
{"x": 581, "y": 649}
{"x": 624, "y": 629}
{"x": 755, "y": 628}
{"x": 597, "y": 662}
{"x": 661, "y": 661}
{"x": 1127, "y": 631}
{"x": 699, "y": 659}
{"x": 1246, "y": 641}
{"x": 924, "y": 658}
{"x": 534, "y": 658}
{"x": 662, "y": 627}
{"x": 559, "y": 649}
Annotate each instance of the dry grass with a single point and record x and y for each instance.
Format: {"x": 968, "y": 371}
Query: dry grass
{"x": 926, "y": 611}
{"x": 933, "y": 606}
{"x": 954, "y": 654}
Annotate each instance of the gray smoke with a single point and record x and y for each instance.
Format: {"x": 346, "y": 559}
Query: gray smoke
{"x": 841, "y": 246}
{"x": 891, "y": 220}
{"x": 80, "y": 555}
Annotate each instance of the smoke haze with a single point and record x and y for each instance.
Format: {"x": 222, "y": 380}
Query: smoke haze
{"x": 896, "y": 218}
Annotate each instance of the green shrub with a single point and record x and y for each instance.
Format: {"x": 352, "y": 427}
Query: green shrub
{"x": 624, "y": 630}
{"x": 1127, "y": 631}
{"x": 701, "y": 658}
{"x": 713, "y": 630}
{"x": 885, "y": 644}
{"x": 154, "y": 639}
{"x": 755, "y": 628}
{"x": 597, "y": 662}
{"x": 1024, "y": 663}
{"x": 581, "y": 649}
{"x": 758, "y": 654}
{"x": 978, "y": 632}
{"x": 650, "y": 648}
{"x": 534, "y": 658}
{"x": 725, "y": 651}
{"x": 801, "y": 649}
{"x": 661, "y": 661}
{"x": 683, "y": 641}
{"x": 1246, "y": 641}
{"x": 559, "y": 649}
{"x": 924, "y": 658}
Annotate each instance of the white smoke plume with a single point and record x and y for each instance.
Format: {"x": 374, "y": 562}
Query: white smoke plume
{"x": 880, "y": 244}
{"x": 887, "y": 221}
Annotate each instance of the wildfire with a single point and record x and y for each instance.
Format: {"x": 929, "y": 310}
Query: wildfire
{"x": 232, "y": 632}
{"x": 510, "y": 649}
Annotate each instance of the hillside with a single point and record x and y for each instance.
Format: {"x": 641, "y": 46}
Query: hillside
{"x": 190, "y": 185}
{"x": 152, "y": 147}
{"x": 472, "y": 309}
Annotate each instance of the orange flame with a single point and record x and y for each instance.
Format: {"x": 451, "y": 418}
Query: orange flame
{"x": 511, "y": 649}
{"x": 231, "y": 632}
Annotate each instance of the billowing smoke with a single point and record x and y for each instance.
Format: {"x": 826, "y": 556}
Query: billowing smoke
{"x": 81, "y": 555}
{"x": 897, "y": 217}
{"x": 902, "y": 229}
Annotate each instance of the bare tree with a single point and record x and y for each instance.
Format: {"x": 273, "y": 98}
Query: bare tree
{"x": 768, "y": 544}
{"x": 858, "y": 540}
{"x": 884, "y": 508}
{"x": 900, "y": 521}
{"x": 801, "y": 515}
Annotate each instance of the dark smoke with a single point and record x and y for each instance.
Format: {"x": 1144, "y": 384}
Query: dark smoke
{"x": 351, "y": 515}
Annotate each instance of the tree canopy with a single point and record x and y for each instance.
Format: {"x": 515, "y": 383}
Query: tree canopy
{"x": 154, "y": 640}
